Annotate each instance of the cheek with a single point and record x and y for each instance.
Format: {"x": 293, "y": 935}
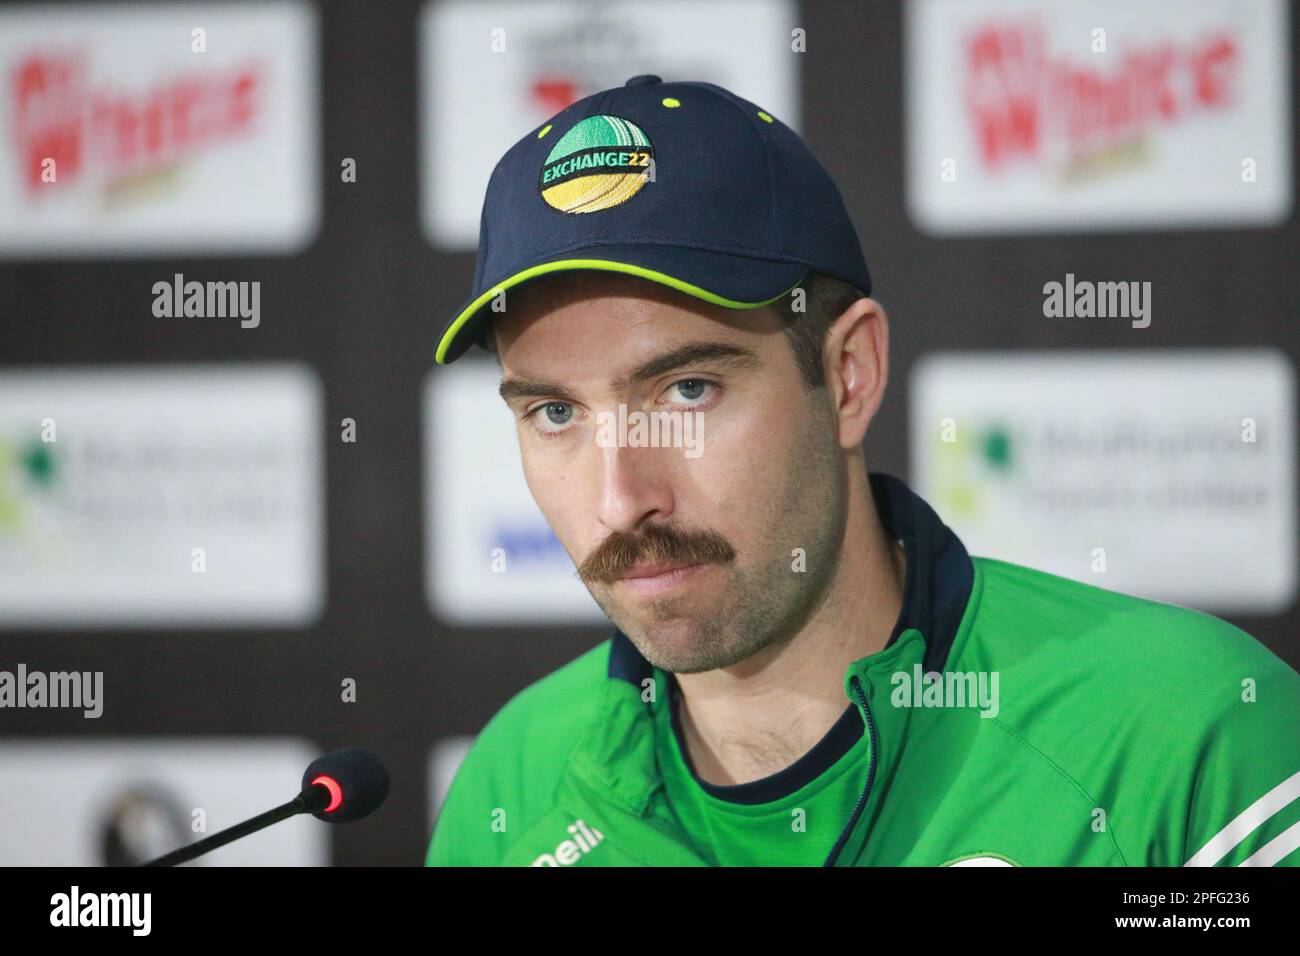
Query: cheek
{"x": 744, "y": 473}
{"x": 556, "y": 493}
{"x": 745, "y": 447}
{"x": 544, "y": 481}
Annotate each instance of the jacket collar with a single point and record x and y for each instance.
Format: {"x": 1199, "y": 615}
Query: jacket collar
{"x": 939, "y": 579}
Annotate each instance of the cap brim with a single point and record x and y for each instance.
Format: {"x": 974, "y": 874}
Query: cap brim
{"x": 736, "y": 282}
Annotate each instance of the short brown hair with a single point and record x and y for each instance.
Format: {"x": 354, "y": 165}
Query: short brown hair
{"x": 824, "y": 300}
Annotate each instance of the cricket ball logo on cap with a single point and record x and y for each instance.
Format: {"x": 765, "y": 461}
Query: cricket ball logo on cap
{"x": 601, "y": 162}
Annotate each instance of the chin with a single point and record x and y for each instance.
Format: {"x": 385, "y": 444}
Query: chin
{"x": 679, "y": 645}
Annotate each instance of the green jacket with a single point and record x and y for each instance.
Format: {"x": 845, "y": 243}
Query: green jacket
{"x": 1126, "y": 732}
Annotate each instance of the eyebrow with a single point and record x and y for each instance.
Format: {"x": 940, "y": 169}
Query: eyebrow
{"x": 732, "y": 356}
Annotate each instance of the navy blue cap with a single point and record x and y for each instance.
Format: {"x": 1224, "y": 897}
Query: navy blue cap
{"x": 684, "y": 184}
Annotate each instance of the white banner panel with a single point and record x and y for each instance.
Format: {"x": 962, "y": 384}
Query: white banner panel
{"x": 490, "y": 72}
{"x": 130, "y": 129}
{"x": 1106, "y": 114}
{"x": 161, "y": 496}
{"x": 490, "y": 556}
{"x": 120, "y": 801}
{"x": 1166, "y": 474}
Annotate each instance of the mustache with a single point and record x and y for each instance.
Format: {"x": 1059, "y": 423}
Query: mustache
{"x": 654, "y": 544}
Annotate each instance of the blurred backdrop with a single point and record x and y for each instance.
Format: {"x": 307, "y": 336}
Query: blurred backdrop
{"x": 244, "y": 519}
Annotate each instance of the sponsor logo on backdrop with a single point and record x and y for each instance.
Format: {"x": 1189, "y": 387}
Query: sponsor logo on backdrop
{"x": 1028, "y": 116}
{"x": 490, "y": 556}
{"x": 539, "y": 56}
{"x": 162, "y": 496}
{"x": 135, "y": 128}
{"x": 1169, "y": 475}
{"x": 66, "y": 126}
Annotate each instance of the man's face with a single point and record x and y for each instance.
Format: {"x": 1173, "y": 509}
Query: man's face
{"x": 690, "y": 552}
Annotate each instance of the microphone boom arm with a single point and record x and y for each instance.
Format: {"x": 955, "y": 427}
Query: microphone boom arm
{"x": 305, "y": 802}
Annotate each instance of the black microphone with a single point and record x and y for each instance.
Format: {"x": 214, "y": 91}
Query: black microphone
{"x": 339, "y": 787}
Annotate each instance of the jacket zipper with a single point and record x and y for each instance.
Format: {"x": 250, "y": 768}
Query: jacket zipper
{"x": 871, "y": 774}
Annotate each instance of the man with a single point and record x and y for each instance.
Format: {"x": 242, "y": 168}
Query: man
{"x": 808, "y": 668}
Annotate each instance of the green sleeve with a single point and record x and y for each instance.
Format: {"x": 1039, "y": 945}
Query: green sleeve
{"x": 463, "y": 833}
{"x": 1244, "y": 803}
{"x": 506, "y": 781}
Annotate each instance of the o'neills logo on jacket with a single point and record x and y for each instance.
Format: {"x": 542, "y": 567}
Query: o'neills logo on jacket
{"x": 569, "y": 852}
{"x": 65, "y": 130}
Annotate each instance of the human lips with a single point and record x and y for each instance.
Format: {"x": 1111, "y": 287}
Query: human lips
{"x": 644, "y": 570}
{"x": 660, "y": 576}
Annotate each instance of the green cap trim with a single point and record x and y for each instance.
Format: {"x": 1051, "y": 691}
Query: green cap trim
{"x": 603, "y": 265}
